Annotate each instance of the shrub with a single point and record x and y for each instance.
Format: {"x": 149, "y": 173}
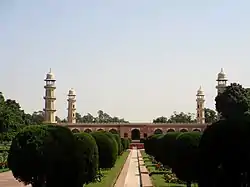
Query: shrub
{"x": 129, "y": 140}
{"x": 60, "y": 151}
{"x": 115, "y": 144}
{"x": 7, "y": 136}
{"x": 106, "y": 148}
{"x": 25, "y": 155}
{"x": 44, "y": 154}
{"x": 229, "y": 141}
{"x": 87, "y": 156}
{"x": 119, "y": 143}
{"x": 186, "y": 156}
{"x": 125, "y": 143}
{"x": 150, "y": 144}
{"x": 168, "y": 148}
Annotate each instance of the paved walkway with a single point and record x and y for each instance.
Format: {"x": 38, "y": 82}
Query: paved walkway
{"x": 129, "y": 176}
{"x": 7, "y": 180}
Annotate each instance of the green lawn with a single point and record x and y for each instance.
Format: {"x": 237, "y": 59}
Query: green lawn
{"x": 158, "y": 179}
{"x": 111, "y": 175}
{"x": 3, "y": 170}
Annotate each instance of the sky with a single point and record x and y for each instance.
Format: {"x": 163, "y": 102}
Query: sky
{"x": 135, "y": 59}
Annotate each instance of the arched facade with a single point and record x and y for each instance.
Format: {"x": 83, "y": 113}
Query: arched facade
{"x": 144, "y": 129}
{"x": 75, "y": 130}
{"x": 170, "y": 130}
{"x": 158, "y": 131}
{"x": 113, "y": 131}
{"x": 87, "y": 130}
{"x": 183, "y": 130}
{"x": 196, "y": 130}
{"x": 135, "y": 134}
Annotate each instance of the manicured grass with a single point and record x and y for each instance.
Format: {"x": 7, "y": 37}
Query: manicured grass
{"x": 158, "y": 179}
{"x": 111, "y": 175}
{"x": 4, "y": 170}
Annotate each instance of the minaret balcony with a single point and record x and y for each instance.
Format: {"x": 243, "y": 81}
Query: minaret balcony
{"x": 50, "y": 86}
{"x": 49, "y": 98}
{"x": 71, "y": 100}
{"x": 49, "y": 110}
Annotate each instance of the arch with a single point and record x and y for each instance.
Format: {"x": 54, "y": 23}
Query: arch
{"x": 170, "y": 130}
{"x": 145, "y": 135}
{"x": 113, "y": 131}
{"x": 158, "y": 131}
{"x": 75, "y": 130}
{"x": 196, "y": 130}
{"x": 88, "y": 130}
{"x": 135, "y": 134}
{"x": 183, "y": 130}
{"x": 100, "y": 129}
{"x": 125, "y": 135}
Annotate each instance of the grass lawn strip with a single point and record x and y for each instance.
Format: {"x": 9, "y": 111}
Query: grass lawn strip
{"x": 158, "y": 179}
{"x": 110, "y": 176}
{"x": 4, "y": 170}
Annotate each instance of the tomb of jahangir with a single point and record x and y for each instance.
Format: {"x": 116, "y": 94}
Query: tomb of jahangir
{"x": 131, "y": 130}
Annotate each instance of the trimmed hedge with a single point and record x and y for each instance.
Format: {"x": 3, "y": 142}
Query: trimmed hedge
{"x": 44, "y": 154}
{"x": 25, "y": 155}
{"x": 178, "y": 151}
{"x": 51, "y": 155}
{"x": 119, "y": 143}
{"x": 87, "y": 156}
{"x": 125, "y": 143}
{"x": 107, "y": 148}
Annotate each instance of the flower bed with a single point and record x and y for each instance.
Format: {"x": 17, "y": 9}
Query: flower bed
{"x": 3, "y": 159}
{"x": 161, "y": 176}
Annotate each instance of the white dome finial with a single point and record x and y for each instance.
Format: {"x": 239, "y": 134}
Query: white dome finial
{"x": 72, "y": 92}
{"x": 50, "y": 76}
{"x": 200, "y": 92}
{"x": 221, "y": 75}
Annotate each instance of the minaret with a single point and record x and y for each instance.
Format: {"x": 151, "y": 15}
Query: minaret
{"x": 49, "y": 98}
{"x": 200, "y": 106}
{"x": 222, "y": 82}
{"x": 72, "y": 106}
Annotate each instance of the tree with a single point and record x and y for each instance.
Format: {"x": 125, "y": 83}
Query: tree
{"x": 45, "y": 154}
{"x": 161, "y": 119}
{"x": 38, "y": 117}
{"x": 107, "y": 149}
{"x": 88, "y": 118}
{"x": 101, "y": 117}
{"x": 78, "y": 118}
{"x": 119, "y": 143}
{"x": 125, "y": 143}
{"x": 234, "y": 102}
{"x": 12, "y": 117}
{"x": 185, "y": 161}
{"x": 88, "y": 158}
{"x": 181, "y": 118}
{"x": 210, "y": 115}
{"x": 24, "y": 157}
{"x": 229, "y": 140}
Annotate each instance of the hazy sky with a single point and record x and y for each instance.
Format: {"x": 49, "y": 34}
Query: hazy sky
{"x": 136, "y": 59}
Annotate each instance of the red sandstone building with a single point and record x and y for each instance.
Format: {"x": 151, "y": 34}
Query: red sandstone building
{"x": 131, "y": 130}
{"x": 137, "y": 130}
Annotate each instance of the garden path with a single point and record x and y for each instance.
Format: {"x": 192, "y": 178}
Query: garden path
{"x": 130, "y": 176}
{"x": 7, "y": 180}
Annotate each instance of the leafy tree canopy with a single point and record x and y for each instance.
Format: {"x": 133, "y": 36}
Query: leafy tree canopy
{"x": 234, "y": 102}
{"x": 101, "y": 117}
{"x": 176, "y": 118}
{"x": 210, "y": 115}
